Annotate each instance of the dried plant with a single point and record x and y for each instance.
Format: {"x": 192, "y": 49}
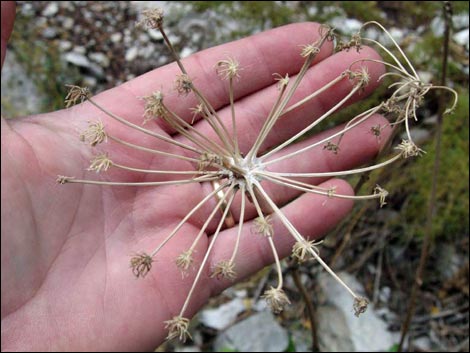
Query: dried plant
{"x": 233, "y": 171}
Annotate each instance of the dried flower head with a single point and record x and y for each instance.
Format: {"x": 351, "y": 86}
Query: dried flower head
{"x": 276, "y": 299}
{"x": 141, "y": 264}
{"x": 231, "y": 170}
{"x": 184, "y": 260}
{"x": 183, "y": 84}
{"x": 360, "y": 305}
{"x": 94, "y": 134}
{"x": 76, "y": 93}
{"x": 302, "y": 249}
{"x": 382, "y": 193}
{"x": 263, "y": 226}
{"x": 152, "y": 19}
{"x": 154, "y": 107}
{"x": 178, "y": 327}
{"x": 409, "y": 149}
{"x": 228, "y": 68}
{"x": 309, "y": 50}
{"x": 100, "y": 162}
{"x": 225, "y": 269}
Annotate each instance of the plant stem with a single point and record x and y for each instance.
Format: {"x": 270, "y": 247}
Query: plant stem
{"x": 447, "y": 12}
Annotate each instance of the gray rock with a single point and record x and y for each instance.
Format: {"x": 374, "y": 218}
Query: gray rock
{"x": 222, "y": 316}
{"x": 131, "y": 53}
{"x": 77, "y": 59}
{"x": 99, "y": 58}
{"x": 258, "y": 333}
{"x": 64, "y": 45}
{"x": 340, "y": 329}
{"x": 49, "y": 32}
{"x": 116, "y": 37}
{"x": 68, "y": 23}
{"x": 51, "y": 9}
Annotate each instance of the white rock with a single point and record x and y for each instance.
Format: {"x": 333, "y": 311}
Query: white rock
{"x": 462, "y": 38}
{"x": 155, "y": 34}
{"x": 65, "y": 45}
{"x": 339, "y": 328}
{"x": 221, "y": 317}
{"x": 50, "y": 10}
{"x": 131, "y": 53}
{"x": 116, "y": 37}
{"x": 68, "y": 23}
{"x": 259, "y": 333}
{"x": 77, "y": 59}
{"x": 99, "y": 58}
{"x": 186, "y": 52}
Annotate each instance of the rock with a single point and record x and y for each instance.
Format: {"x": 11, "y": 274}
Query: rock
{"x": 222, "y": 316}
{"x": 49, "y": 32}
{"x": 68, "y": 23}
{"x": 186, "y": 52}
{"x": 462, "y": 38}
{"x": 258, "y": 333}
{"x": 340, "y": 330}
{"x": 116, "y": 37}
{"x": 64, "y": 45}
{"x": 131, "y": 53}
{"x": 77, "y": 59}
{"x": 155, "y": 34}
{"x": 50, "y": 10}
{"x": 99, "y": 58}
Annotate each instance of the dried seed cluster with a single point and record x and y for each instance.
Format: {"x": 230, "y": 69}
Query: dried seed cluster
{"x": 234, "y": 172}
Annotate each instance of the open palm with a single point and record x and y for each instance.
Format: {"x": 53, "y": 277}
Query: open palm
{"x": 66, "y": 281}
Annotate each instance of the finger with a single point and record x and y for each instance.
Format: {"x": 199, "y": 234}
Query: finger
{"x": 260, "y": 55}
{"x": 312, "y": 215}
{"x": 8, "y": 18}
{"x": 252, "y": 111}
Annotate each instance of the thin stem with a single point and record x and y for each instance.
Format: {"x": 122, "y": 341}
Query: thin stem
{"x": 145, "y": 131}
{"x": 151, "y": 150}
{"x": 240, "y": 223}
{"x": 152, "y": 171}
{"x": 312, "y": 125}
{"x": 190, "y": 213}
{"x": 296, "y": 235}
{"x": 143, "y": 183}
{"x": 206, "y": 256}
{"x": 365, "y": 115}
{"x": 234, "y": 123}
{"x": 331, "y": 174}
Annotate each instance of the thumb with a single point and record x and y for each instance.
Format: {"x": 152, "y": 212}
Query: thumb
{"x": 8, "y": 18}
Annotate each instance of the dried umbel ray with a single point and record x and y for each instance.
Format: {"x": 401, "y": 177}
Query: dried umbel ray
{"x": 222, "y": 162}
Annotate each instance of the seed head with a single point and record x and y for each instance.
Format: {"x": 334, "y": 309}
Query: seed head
{"x": 276, "y": 299}
{"x": 178, "y": 327}
{"x": 141, "y": 264}
{"x": 224, "y": 269}
{"x": 152, "y": 19}
{"x": 309, "y": 50}
{"x": 409, "y": 149}
{"x": 228, "y": 68}
{"x": 330, "y": 146}
{"x": 184, "y": 260}
{"x": 75, "y": 94}
{"x": 263, "y": 226}
{"x": 378, "y": 190}
{"x": 183, "y": 84}
{"x": 94, "y": 134}
{"x": 360, "y": 305}
{"x": 302, "y": 249}
{"x": 154, "y": 107}
{"x": 283, "y": 81}
{"x": 100, "y": 162}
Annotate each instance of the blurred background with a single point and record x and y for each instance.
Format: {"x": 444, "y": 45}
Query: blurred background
{"x": 95, "y": 43}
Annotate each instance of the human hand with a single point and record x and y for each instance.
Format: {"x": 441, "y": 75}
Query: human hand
{"x": 66, "y": 282}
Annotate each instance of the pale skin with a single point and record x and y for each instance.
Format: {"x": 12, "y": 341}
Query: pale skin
{"x": 66, "y": 281}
